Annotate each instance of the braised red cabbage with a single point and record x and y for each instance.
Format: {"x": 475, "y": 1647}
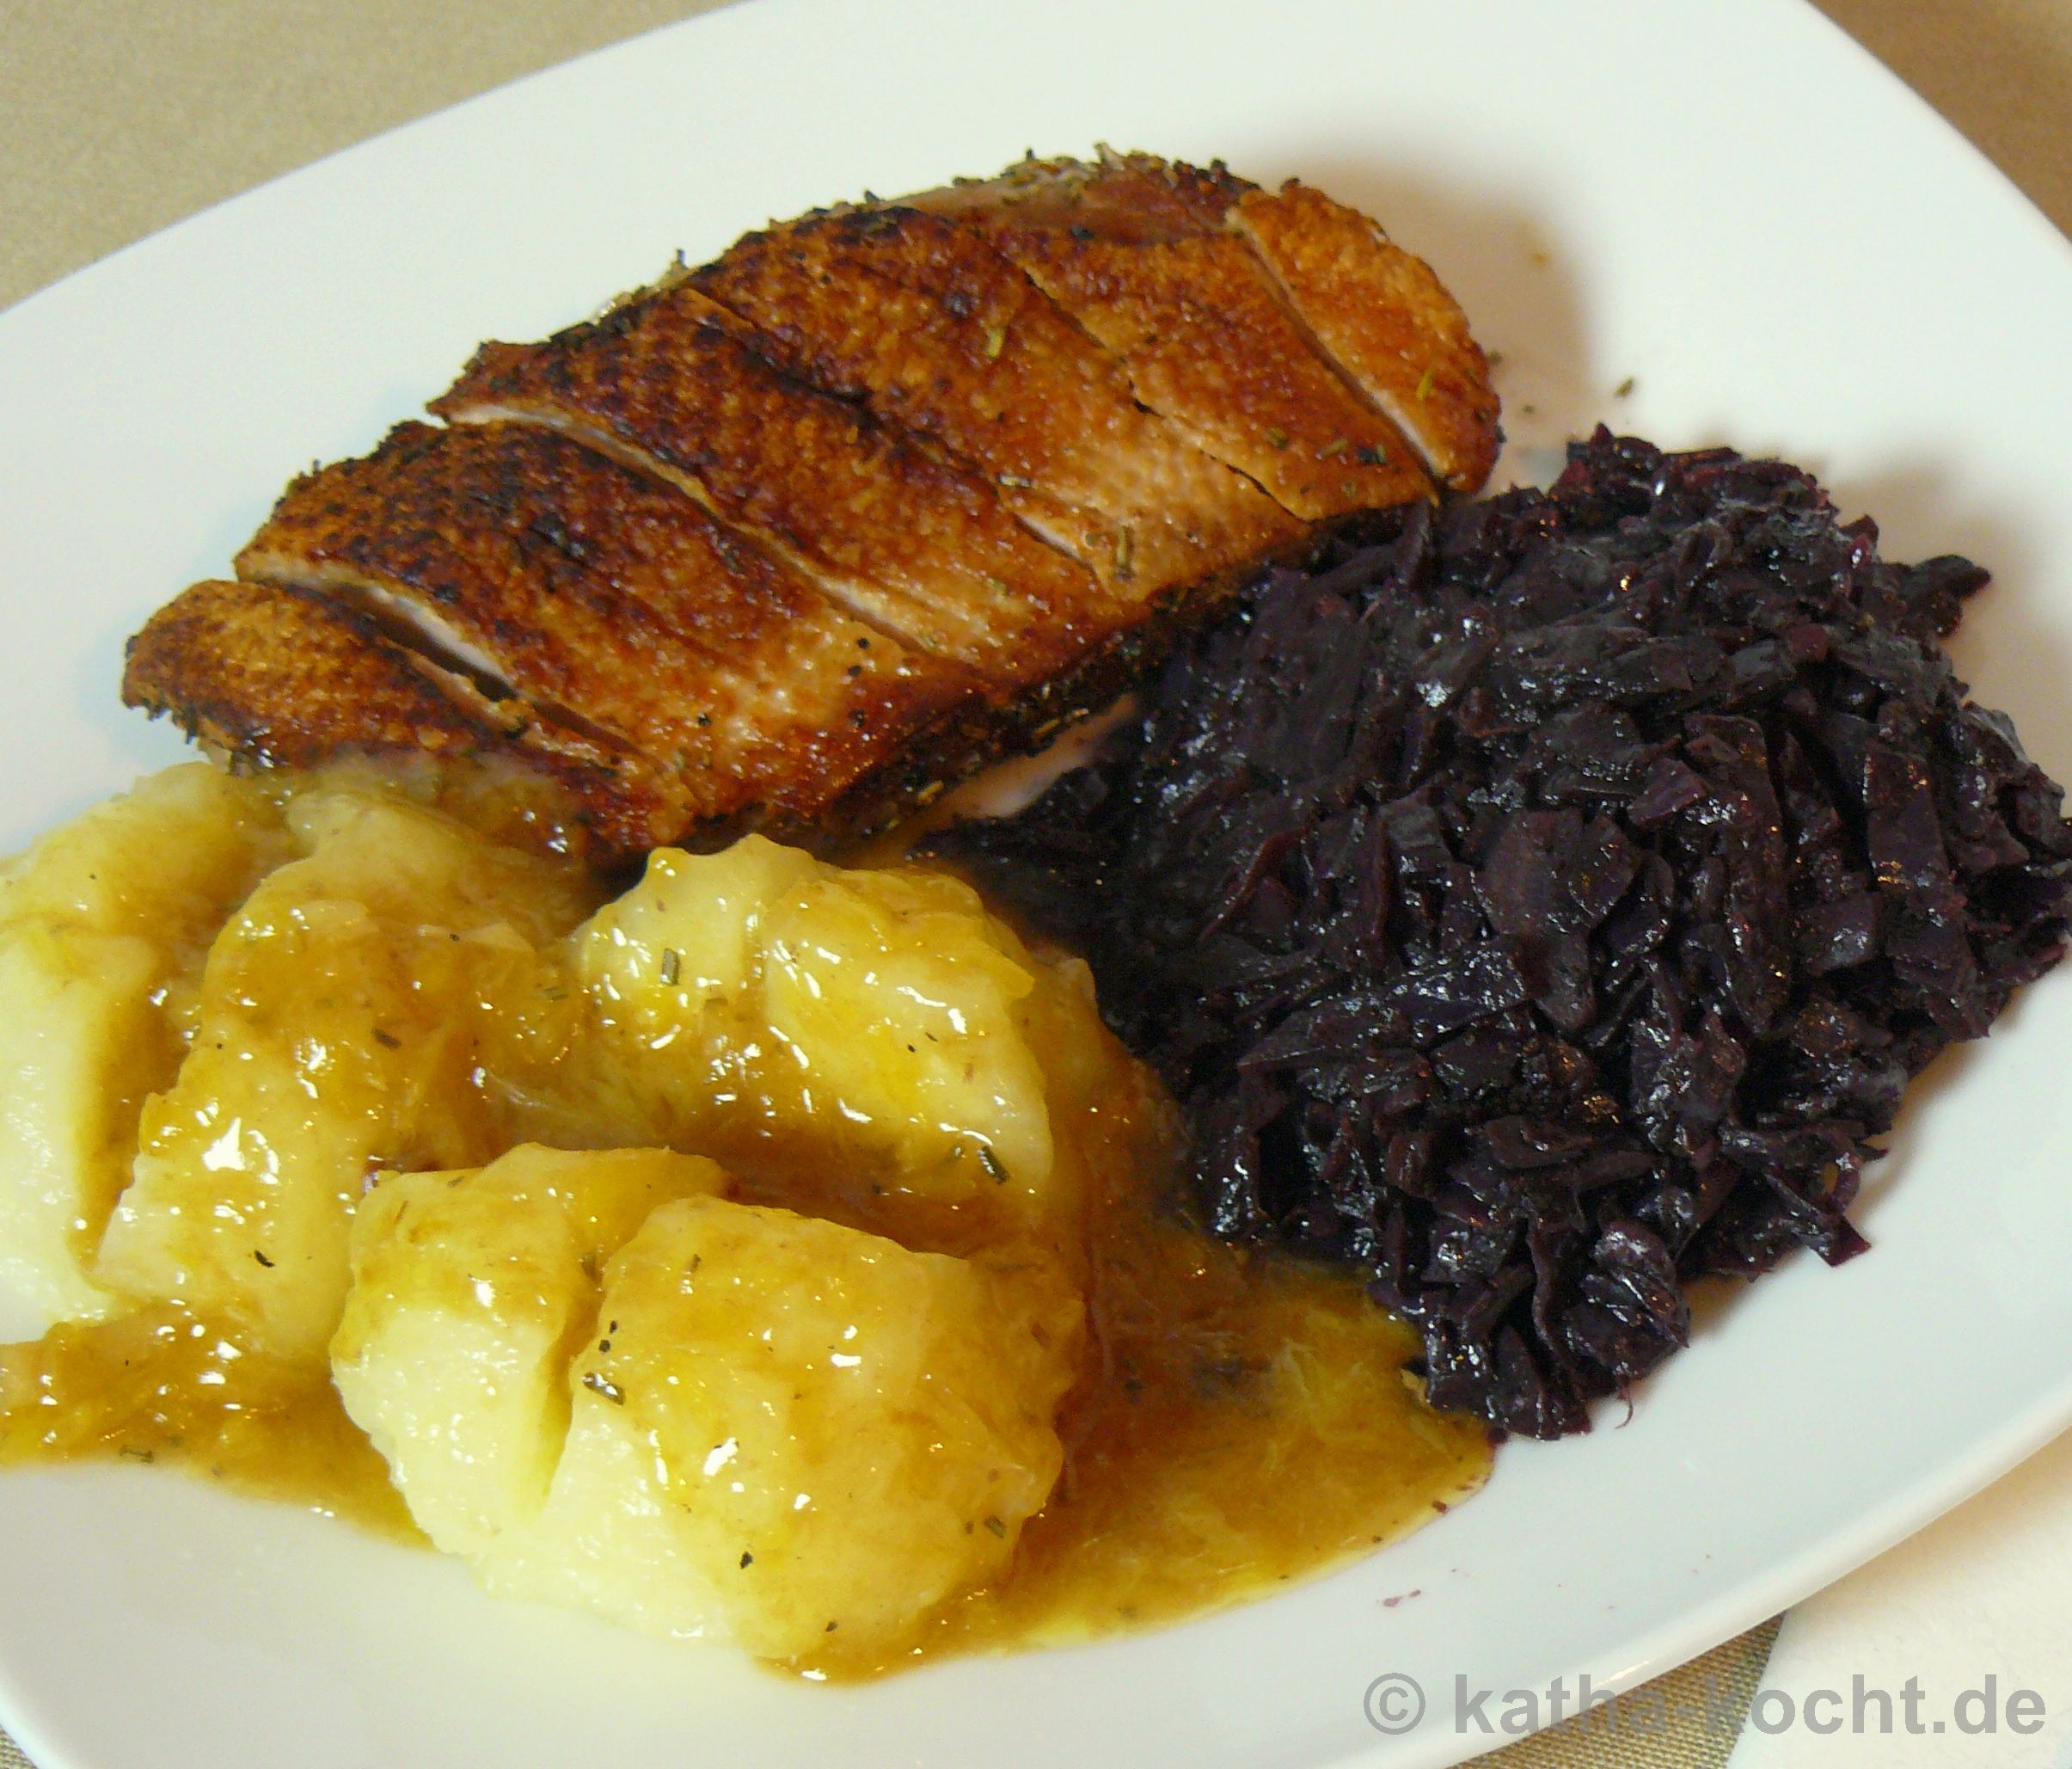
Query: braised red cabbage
{"x": 1543, "y": 903}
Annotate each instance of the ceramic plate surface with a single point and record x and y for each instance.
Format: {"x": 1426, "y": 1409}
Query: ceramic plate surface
{"x": 1733, "y": 207}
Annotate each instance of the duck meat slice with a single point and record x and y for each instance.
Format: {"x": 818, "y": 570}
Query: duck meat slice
{"x": 918, "y": 318}
{"x": 797, "y": 539}
{"x": 284, "y": 678}
{"x": 1385, "y": 318}
{"x": 913, "y": 546}
{"x": 1135, "y": 250}
{"x": 607, "y": 599}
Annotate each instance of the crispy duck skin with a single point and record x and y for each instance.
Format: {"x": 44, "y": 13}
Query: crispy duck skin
{"x": 1385, "y": 319}
{"x": 920, "y": 319}
{"x": 1169, "y": 265}
{"x": 609, "y": 598}
{"x": 796, "y": 539}
{"x": 1136, "y": 251}
{"x": 283, "y": 677}
{"x": 917, "y": 548}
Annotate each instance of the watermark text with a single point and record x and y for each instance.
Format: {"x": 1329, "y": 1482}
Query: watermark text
{"x": 1395, "y": 1704}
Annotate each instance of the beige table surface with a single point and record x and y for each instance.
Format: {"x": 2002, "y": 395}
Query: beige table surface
{"x": 117, "y": 117}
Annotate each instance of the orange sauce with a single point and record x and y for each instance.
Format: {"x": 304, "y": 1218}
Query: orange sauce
{"x": 1240, "y": 1422}
{"x": 1243, "y": 1422}
{"x": 160, "y": 1386}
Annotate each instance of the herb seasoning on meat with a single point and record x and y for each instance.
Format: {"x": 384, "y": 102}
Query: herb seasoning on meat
{"x": 1544, "y": 903}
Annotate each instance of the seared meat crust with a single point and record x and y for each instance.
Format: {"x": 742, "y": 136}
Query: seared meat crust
{"x": 795, "y": 539}
{"x": 1136, "y": 252}
{"x": 921, "y": 321}
{"x": 610, "y": 599}
{"x": 912, "y": 545}
{"x": 1385, "y": 319}
{"x": 287, "y": 679}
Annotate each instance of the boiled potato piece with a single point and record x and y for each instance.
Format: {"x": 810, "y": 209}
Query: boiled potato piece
{"x": 690, "y": 933}
{"x": 166, "y": 860}
{"x": 785, "y": 1427}
{"x": 901, "y": 996}
{"x": 760, "y": 991}
{"x": 470, "y": 1291}
{"x": 103, "y": 924}
{"x": 354, "y": 1015}
{"x": 81, "y": 1044}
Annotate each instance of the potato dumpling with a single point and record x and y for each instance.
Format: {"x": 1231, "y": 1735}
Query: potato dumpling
{"x": 470, "y": 1293}
{"x": 690, "y": 933}
{"x": 354, "y": 1015}
{"x": 283, "y": 1056}
{"x": 166, "y": 859}
{"x": 901, "y": 995}
{"x": 785, "y": 1427}
{"x": 103, "y": 924}
{"x": 885, "y": 1009}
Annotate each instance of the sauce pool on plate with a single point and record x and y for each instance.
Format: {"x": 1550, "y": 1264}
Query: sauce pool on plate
{"x": 941, "y": 1260}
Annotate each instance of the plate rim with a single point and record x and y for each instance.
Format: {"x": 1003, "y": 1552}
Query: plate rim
{"x": 1704, "y": 1625}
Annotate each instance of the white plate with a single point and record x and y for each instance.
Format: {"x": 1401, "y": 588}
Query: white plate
{"x": 1736, "y": 207}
